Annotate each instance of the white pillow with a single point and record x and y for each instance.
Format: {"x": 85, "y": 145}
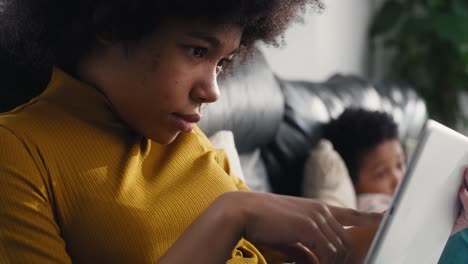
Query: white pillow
{"x": 255, "y": 174}
{"x": 224, "y": 140}
{"x": 326, "y": 177}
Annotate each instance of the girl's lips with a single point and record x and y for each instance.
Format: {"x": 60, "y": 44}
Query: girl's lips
{"x": 183, "y": 122}
{"x": 189, "y": 118}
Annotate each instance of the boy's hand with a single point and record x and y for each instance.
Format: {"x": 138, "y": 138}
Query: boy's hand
{"x": 462, "y": 220}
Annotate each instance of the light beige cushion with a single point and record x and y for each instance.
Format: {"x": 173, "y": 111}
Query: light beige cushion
{"x": 247, "y": 166}
{"x": 224, "y": 140}
{"x": 255, "y": 173}
{"x": 326, "y": 177}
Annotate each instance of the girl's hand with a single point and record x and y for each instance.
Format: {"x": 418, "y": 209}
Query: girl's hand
{"x": 301, "y": 225}
{"x": 295, "y": 226}
{"x": 462, "y": 220}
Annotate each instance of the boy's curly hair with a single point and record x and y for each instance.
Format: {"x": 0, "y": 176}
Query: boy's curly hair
{"x": 356, "y": 131}
{"x": 46, "y": 32}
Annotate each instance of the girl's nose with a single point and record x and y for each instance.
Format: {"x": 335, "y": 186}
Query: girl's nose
{"x": 206, "y": 90}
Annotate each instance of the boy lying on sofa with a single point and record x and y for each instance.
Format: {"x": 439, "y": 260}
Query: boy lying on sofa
{"x": 368, "y": 143}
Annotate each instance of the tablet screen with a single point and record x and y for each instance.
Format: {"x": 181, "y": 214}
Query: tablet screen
{"x": 420, "y": 219}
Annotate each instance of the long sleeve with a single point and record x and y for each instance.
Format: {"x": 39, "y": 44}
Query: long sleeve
{"x": 245, "y": 253}
{"x": 29, "y": 233}
{"x": 456, "y": 249}
{"x": 223, "y": 160}
{"x": 79, "y": 185}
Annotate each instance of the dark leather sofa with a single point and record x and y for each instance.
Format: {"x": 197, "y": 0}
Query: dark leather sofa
{"x": 282, "y": 118}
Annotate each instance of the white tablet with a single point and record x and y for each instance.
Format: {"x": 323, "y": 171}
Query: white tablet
{"x": 420, "y": 219}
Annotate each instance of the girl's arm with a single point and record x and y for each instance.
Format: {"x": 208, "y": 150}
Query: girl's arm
{"x": 276, "y": 221}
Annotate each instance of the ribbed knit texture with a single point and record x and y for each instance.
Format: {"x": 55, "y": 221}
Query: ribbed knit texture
{"x": 79, "y": 186}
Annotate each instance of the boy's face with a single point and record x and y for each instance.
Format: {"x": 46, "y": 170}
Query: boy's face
{"x": 382, "y": 168}
{"x": 159, "y": 85}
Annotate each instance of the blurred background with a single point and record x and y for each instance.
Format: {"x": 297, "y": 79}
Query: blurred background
{"x": 421, "y": 42}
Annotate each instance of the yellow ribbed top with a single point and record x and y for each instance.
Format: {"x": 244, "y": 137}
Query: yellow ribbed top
{"x": 79, "y": 186}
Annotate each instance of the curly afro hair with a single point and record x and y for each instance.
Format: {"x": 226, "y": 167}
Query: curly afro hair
{"x": 46, "y": 32}
{"x": 356, "y": 131}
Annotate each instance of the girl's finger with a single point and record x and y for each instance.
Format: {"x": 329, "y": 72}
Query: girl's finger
{"x": 334, "y": 238}
{"x": 300, "y": 254}
{"x": 465, "y": 182}
{"x": 314, "y": 239}
{"x": 337, "y": 228}
{"x": 351, "y": 217}
{"x": 463, "y": 195}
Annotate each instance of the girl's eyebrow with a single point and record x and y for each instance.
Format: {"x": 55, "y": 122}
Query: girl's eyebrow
{"x": 212, "y": 40}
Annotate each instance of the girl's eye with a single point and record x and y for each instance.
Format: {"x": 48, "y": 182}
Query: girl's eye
{"x": 222, "y": 63}
{"x": 199, "y": 52}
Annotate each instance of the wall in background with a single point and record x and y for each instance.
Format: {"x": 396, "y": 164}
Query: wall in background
{"x": 334, "y": 41}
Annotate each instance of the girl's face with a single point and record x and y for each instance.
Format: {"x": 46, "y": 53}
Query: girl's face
{"x": 382, "y": 168}
{"x": 159, "y": 85}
